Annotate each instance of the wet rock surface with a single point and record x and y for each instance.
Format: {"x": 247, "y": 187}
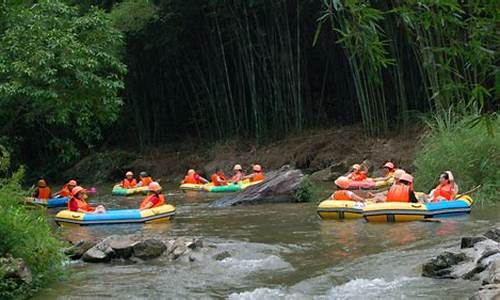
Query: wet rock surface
{"x": 279, "y": 186}
{"x": 135, "y": 249}
{"x": 477, "y": 259}
{"x": 14, "y": 270}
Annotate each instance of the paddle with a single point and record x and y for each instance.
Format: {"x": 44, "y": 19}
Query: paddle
{"x": 468, "y": 192}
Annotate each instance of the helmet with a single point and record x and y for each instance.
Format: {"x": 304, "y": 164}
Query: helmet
{"x": 77, "y": 189}
{"x": 129, "y": 173}
{"x": 450, "y": 176}
{"x": 143, "y": 174}
{"x": 191, "y": 171}
{"x": 237, "y": 167}
{"x": 398, "y": 173}
{"x": 407, "y": 177}
{"x": 42, "y": 183}
{"x": 342, "y": 182}
{"x": 154, "y": 186}
{"x": 356, "y": 167}
{"x": 72, "y": 182}
{"x": 389, "y": 165}
{"x": 257, "y": 168}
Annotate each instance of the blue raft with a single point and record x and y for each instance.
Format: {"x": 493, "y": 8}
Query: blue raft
{"x": 50, "y": 203}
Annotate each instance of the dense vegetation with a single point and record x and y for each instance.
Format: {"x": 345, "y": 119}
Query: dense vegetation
{"x": 25, "y": 234}
{"x": 217, "y": 69}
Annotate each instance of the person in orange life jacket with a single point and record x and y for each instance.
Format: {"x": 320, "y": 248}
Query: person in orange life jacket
{"x": 218, "y": 178}
{"x": 154, "y": 197}
{"x": 390, "y": 168}
{"x": 380, "y": 197}
{"x": 129, "y": 182}
{"x": 77, "y": 202}
{"x": 238, "y": 173}
{"x": 257, "y": 174}
{"x": 42, "y": 190}
{"x": 144, "y": 179}
{"x": 66, "y": 189}
{"x": 446, "y": 190}
{"x": 358, "y": 174}
{"x": 402, "y": 191}
{"x": 342, "y": 193}
{"x": 193, "y": 178}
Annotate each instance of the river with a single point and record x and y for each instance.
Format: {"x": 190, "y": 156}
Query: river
{"x": 278, "y": 251}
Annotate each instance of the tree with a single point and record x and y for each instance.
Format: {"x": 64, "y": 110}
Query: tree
{"x": 60, "y": 77}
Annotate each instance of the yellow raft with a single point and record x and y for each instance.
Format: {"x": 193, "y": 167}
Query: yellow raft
{"x": 340, "y": 210}
{"x": 120, "y": 216}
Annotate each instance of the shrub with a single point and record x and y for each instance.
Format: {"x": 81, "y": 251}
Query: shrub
{"x": 470, "y": 152}
{"x": 306, "y": 191}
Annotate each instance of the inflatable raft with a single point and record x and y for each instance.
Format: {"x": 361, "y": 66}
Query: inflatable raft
{"x": 404, "y": 212}
{"x": 119, "y": 191}
{"x": 194, "y": 187}
{"x": 50, "y": 203}
{"x": 122, "y": 216}
{"x": 339, "y": 209}
{"x": 370, "y": 184}
{"x": 231, "y": 187}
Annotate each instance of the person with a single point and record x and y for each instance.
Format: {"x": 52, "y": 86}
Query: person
{"x": 66, "y": 189}
{"x": 358, "y": 174}
{"x": 154, "y": 198}
{"x": 129, "y": 182}
{"x": 238, "y": 173}
{"x": 193, "y": 178}
{"x": 446, "y": 190}
{"x": 257, "y": 174}
{"x": 77, "y": 202}
{"x": 144, "y": 179}
{"x": 390, "y": 168}
{"x": 382, "y": 195}
{"x": 342, "y": 193}
{"x": 402, "y": 191}
{"x": 218, "y": 178}
{"x": 42, "y": 190}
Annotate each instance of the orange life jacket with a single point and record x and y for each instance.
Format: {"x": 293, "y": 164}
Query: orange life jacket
{"x": 82, "y": 204}
{"x": 146, "y": 200}
{"x": 443, "y": 191}
{"x": 237, "y": 177}
{"x": 359, "y": 176}
{"x": 65, "y": 192}
{"x": 146, "y": 180}
{"x": 128, "y": 184}
{"x": 257, "y": 176}
{"x": 342, "y": 195}
{"x": 398, "y": 193}
{"x": 215, "y": 182}
{"x": 191, "y": 179}
{"x": 43, "y": 193}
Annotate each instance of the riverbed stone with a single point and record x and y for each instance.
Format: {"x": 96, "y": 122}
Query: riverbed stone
{"x": 148, "y": 249}
{"x": 439, "y": 267}
{"x": 77, "y": 250}
{"x": 470, "y": 241}
{"x": 222, "y": 255}
{"x": 101, "y": 252}
{"x": 15, "y": 270}
{"x": 195, "y": 244}
{"x": 122, "y": 247}
{"x": 493, "y": 234}
{"x": 487, "y": 292}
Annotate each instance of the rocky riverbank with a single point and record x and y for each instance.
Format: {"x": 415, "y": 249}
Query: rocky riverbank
{"x": 477, "y": 259}
{"x": 135, "y": 249}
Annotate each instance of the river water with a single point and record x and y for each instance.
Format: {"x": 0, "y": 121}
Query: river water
{"x": 279, "y": 251}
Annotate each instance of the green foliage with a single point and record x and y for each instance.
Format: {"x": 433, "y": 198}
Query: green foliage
{"x": 26, "y": 234}
{"x": 131, "y": 16}
{"x": 470, "y": 152}
{"x": 306, "y": 191}
{"x": 60, "y": 75}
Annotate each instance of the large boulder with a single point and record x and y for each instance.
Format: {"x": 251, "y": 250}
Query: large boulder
{"x": 102, "y": 251}
{"x": 440, "y": 266}
{"x": 148, "y": 249}
{"x": 331, "y": 173}
{"x": 279, "y": 186}
{"x": 77, "y": 250}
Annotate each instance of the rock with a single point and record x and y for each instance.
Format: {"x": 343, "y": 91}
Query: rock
{"x": 195, "y": 244}
{"x": 439, "y": 267}
{"x": 493, "y": 234}
{"x": 493, "y": 273}
{"x": 101, "y": 252}
{"x": 470, "y": 241}
{"x": 77, "y": 250}
{"x": 487, "y": 292}
{"x": 15, "y": 269}
{"x": 178, "y": 252}
{"x": 148, "y": 249}
{"x": 279, "y": 186}
{"x": 331, "y": 173}
{"x": 178, "y": 248}
{"x": 222, "y": 255}
{"x": 122, "y": 247}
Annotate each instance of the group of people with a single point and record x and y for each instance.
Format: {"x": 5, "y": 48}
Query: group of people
{"x": 218, "y": 178}
{"x": 400, "y": 191}
{"x": 78, "y": 195}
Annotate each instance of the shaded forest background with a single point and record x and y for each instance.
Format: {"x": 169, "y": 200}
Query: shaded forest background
{"x": 262, "y": 69}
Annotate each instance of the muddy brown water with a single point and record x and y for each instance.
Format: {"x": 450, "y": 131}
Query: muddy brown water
{"x": 279, "y": 251}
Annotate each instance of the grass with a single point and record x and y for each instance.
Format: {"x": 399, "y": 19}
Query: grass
{"x": 470, "y": 152}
